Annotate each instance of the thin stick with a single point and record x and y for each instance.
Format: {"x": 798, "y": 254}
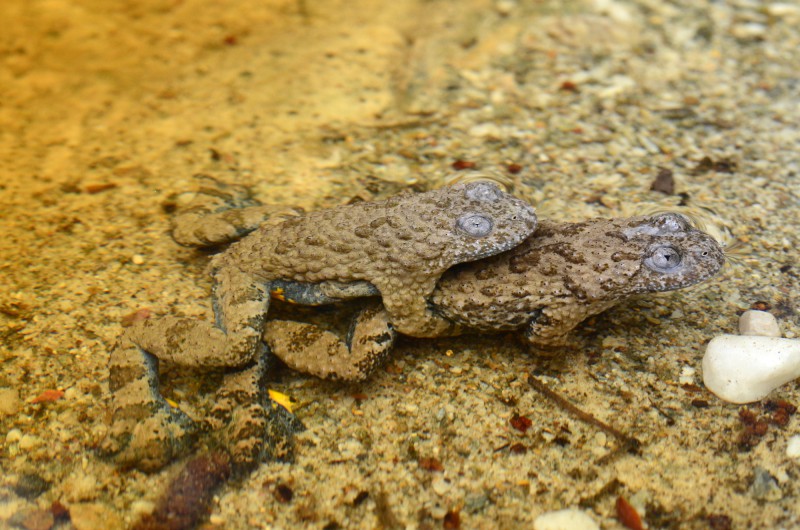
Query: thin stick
{"x": 629, "y": 443}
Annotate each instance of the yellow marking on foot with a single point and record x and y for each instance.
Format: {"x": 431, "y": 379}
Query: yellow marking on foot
{"x": 171, "y": 403}
{"x": 277, "y": 294}
{"x": 281, "y": 399}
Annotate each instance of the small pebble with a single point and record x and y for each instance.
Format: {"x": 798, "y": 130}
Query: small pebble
{"x": 438, "y": 511}
{"x": 350, "y": 448}
{"x": 10, "y": 507}
{"x": 37, "y": 520}
{"x": 30, "y": 486}
{"x": 505, "y": 7}
{"x": 765, "y": 487}
{"x": 742, "y": 369}
{"x": 28, "y": 442}
{"x": 13, "y": 436}
{"x": 569, "y": 519}
{"x": 141, "y": 507}
{"x": 485, "y": 130}
{"x": 749, "y": 30}
{"x": 783, "y": 10}
{"x": 9, "y": 401}
{"x": 93, "y": 516}
{"x": 137, "y": 259}
{"x": 793, "y": 447}
{"x": 687, "y": 375}
{"x": 758, "y": 323}
{"x": 80, "y": 486}
{"x": 476, "y": 502}
{"x": 440, "y": 484}
{"x": 601, "y": 439}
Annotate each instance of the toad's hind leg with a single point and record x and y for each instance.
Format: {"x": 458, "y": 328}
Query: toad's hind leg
{"x": 146, "y": 432}
{"x": 221, "y": 213}
{"x": 248, "y": 422}
{"x": 315, "y": 351}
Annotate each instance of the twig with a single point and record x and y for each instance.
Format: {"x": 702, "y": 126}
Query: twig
{"x": 628, "y": 443}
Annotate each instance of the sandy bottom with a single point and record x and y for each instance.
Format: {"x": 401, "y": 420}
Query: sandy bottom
{"x": 108, "y": 108}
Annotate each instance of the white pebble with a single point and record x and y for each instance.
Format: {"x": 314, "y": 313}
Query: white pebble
{"x": 742, "y": 369}
{"x": 569, "y": 519}
{"x": 783, "y": 9}
{"x": 485, "y": 130}
{"x": 350, "y": 448}
{"x": 758, "y": 323}
{"x": 28, "y": 442}
{"x": 793, "y": 447}
{"x": 749, "y": 30}
{"x": 441, "y": 485}
{"x": 505, "y": 7}
{"x": 141, "y": 507}
{"x": 687, "y": 375}
{"x": 13, "y": 436}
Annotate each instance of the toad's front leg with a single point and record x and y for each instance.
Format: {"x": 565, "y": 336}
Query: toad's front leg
{"x": 549, "y": 329}
{"x": 146, "y": 432}
{"x": 409, "y": 311}
{"x": 222, "y": 213}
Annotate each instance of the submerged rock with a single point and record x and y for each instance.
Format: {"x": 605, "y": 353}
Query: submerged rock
{"x": 742, "y": 369}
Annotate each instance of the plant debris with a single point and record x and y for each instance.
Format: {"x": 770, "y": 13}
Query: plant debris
{"x": 664, "y": 182}
{"x": 520, "y": 423}
{"x": 628, "y": 443}
{"x": 186, "y": 500}
{"x": 628, "y": 515}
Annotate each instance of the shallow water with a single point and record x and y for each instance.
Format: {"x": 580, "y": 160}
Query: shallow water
{"x": 109, "y": 108}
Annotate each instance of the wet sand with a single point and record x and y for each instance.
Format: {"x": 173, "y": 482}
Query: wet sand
{"x": 107, "y": 110}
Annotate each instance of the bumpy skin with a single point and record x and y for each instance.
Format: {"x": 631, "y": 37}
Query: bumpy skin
{"x": 401, "y": 246}
{"x": 547, "y": 285}
{"x": 567, "y": 272}
{"x": 397, "y": 248}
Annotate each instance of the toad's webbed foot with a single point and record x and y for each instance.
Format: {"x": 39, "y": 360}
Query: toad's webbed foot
{"x": 312, "y": 350}
{"x": 248, "y": 423}
{"x": 221, "y": 213}
{"x": 146, "y": 432}
{"x": 151, "y": 442}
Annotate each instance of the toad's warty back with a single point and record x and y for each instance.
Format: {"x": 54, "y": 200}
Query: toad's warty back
{"x": 569, "y": 271}
{"x": 401, "y": 245}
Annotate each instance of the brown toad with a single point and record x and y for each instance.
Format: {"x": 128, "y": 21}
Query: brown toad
{"x": 558, "y": 277}
{"x": 397, "y": 248}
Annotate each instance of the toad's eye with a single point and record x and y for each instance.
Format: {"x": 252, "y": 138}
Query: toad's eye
{"x": 483, "y": 192}
{"x": 475, "y": 224}
{"x": 663, "y": 259}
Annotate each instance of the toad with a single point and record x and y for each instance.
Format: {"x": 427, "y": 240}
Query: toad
{"x": 396, "y": 249}
{"x": 558, "y": 277}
